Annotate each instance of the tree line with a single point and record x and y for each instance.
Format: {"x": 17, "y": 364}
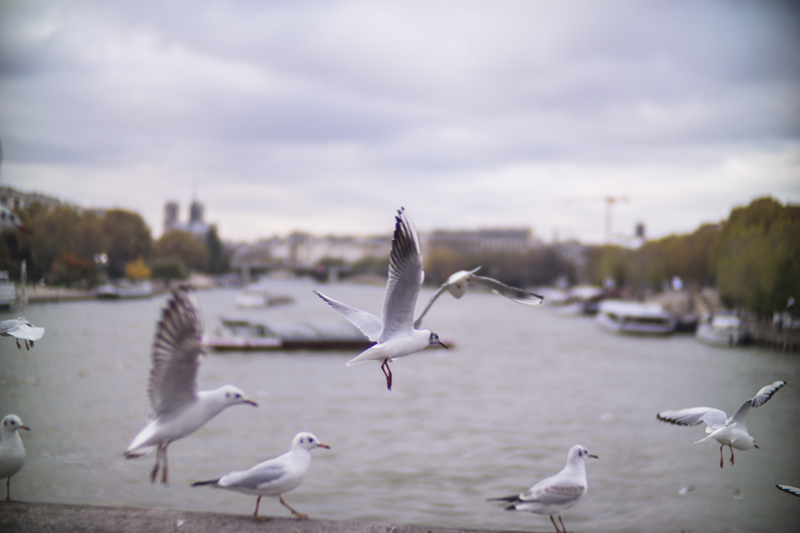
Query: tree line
{"x": 69, "y": 246}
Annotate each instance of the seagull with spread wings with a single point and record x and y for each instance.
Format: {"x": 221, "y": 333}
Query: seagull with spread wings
{"x": 178, "y": 408}
{"x": 21, "y": 330}
{"x": 731, "y": 432}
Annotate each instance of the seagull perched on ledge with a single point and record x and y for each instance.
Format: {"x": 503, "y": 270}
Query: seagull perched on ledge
{"x": 178, "y": 408}
{"x": 726, "y": 431}
{"x": 555, "y": 494}
{"x": 21, "y": 329}
{"x": 274, "y": 477}
{"x": 395, "y": 335}
{"x": 12, "y": 452}
{"x": 457, "y": 285}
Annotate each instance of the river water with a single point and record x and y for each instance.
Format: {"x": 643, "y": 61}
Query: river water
{"x": 487, "y": 418}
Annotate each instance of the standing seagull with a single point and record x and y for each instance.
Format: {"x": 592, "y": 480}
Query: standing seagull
{"x": 555, "y": 494}
{"x": 727, "y": 431}
{"x": 275, "y": 476}
{"x": 457, "y": 286}
{"x": 12, "y": 452}
{"x": 178, "y": 409}
{"x": 20, "y": 328}
{"x": 9, "y": 220}
{"x": 395, "y": 335}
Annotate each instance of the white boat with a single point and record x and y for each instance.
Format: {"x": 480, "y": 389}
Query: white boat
{"x": 255, "y": 297}
{"x": 635, "y": 318}
{"x": 125, "y": 289}
{"x": 722, "y": 330}
{"x": 243, "y": 334}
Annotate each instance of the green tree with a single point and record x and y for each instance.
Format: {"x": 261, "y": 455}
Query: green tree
{"x": 128, "y": 238}
{"x": 183, "y": 246}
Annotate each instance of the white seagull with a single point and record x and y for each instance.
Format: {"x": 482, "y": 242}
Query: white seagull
{"x": 12, "y": 452}
{"x": 178, "y": 408}
{"x": 8, "y": 220}
{"x": 555, "y": 494}
{"x": 274, "y": 477}
{"x": 395, "y": 335}
{"x": 726, "y": 431}
{"x": 788, "y": 488}
{"x": 21, "y": 329}
{"x": 457, "y": 286}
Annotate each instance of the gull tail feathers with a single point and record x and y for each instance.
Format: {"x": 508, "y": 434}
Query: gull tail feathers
{"x": 209, "y": 482}
{"x": 141, "y": 452}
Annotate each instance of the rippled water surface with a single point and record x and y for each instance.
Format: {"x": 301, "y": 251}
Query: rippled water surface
{"x": 488, "y": 418}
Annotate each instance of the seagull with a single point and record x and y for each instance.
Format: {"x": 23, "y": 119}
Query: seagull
{"x": 726, "y": 431}
{"x": 555, "y": 494}
{"x": 457, "y": 286}
{"x": 395, "y": 335}
{"x": 12, "y": 452}
{"x": 178, "y": 409}
{"x": 275, "y": 476}
{"x": 9, "y": 220}
{"x": 20, "y": 328}
{"x": 788, "y": 488}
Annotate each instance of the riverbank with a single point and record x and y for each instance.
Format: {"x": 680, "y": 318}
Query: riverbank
{"x": 21, "y": 517}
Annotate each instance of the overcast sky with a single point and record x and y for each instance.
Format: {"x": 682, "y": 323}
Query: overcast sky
{"x": 327, "y": 116}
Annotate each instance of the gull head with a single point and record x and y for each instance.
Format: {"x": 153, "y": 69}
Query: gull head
{"x": 433, "y": 340}
{"x": 234, "y": 396}
{"x": 307, "y": 441}
{"x": 12, "y": 423}
{"x": 579, "y": 453}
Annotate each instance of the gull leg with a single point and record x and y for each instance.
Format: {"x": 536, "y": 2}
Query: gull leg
{"x": 16, "y": 339}
{"x": 154, "y": 473}
{"x": 164, "y": 468}
{"x": 721, "y": 460}
{"x": 554, "y": 524}
{"x": 27, "y": 348}
{"x": 563, "y": 527}
{"x": 731, "y": 449}
{"x": 258, "y": 501}
{"x": 8, "y": 489}
{"x": 301, "y": 516}
{"x": 388, "y": 373}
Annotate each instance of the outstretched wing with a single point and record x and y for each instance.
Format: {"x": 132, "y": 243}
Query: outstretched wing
{"x": 405, "y": 279}
{"x": 176, "y": 353}
{"x": 713, "y": 418}
{"x": 512, "y": 293}
{"x": 761, "y": 397}
{"x": 788, "y": 488}
{"x": 21, "y": 329}
{"x": 369, "y": 324}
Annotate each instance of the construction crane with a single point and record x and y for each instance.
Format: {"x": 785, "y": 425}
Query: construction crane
{"x": 610, "y": 201}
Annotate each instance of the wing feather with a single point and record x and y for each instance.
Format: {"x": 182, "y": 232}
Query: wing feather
{"x": 761, "y": 397}
{"x": 512, "y": 293}
{"x": 176, "y": 353}
{"x": 713, "y": 418}
{"x": 405, "y": 279}
{"x": 369, "y": 324}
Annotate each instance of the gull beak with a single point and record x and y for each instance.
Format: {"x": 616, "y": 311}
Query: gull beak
{"x": 756, "y": 445}
{"x": 443, "y": 345}
{"x": 250, "y": 402}
{"x": 593, "y": 456}
{"x": 321, "y": 445}
{"x": 24, "y": 229}
{"x": 26, "y": 427}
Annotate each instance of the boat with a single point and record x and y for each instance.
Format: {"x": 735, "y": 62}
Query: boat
{"x": 577, "y": 301}
{"x": 8, "y": 291}
{"x": 244, "y": 334}
{"x": 125, "y": 290}
{"x": 635, "y": 318}
{"x": 255, "y": 297}
{"x": 721, "y": 330}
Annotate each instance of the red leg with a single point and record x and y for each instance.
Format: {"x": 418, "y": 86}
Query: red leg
{"x": 258, "y": 501}
{"x": 388, "y": 373}
{"x": 8, "y": 489}
{"x": 298, "y": 515}
{"x": 731, "y": 448}
{"x": 164, "y": 468}
{"x": 554, "y": 524}
{"x": 154, "y": 473}
{"x": 721, "y": 460}
{"x": 563, "y": 527}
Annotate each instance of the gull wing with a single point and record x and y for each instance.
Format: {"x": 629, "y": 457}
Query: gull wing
{"x": 438, "y": 293}
{"x": 788, "y": 488}
{"x": 512, "y": 293}
{"x": 176, "y": 353}
{"x": 21, "y": 329}
{"x": 553, "y": 493}
{"x": 255, "y": 478}
{"x": 713, "y": 418}
{"x": 761, "y": 397}
{"x": 405, "y": 279}
{"x": 369, "y": 324}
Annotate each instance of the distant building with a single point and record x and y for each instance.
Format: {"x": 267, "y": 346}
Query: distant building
{"x": 196, "y": 225}
{"x": 471, "y": 242}
{"x": 16, "y": 200}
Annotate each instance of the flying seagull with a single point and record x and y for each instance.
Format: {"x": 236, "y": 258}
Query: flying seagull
{"x": 726, "y": 431}
{"x": 21, "y": 329}
{"x": 12, "y": 452}
{"x": 395, "y": 335}
{"x": 274, "y": 477}
{"x": 457, "y": 285}
{"x": 555, "y": 494}
{"x": 178, "y": 408}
